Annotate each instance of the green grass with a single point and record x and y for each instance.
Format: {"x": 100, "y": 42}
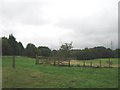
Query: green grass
{"x": 28, "y": 75}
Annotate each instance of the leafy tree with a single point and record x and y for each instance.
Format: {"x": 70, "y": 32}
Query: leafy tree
{"x": 74, "y": 53}
{"x": 21, "y": 48}
{"x": 64, "y": 50}
{"x": 93, "y": 53}
{"x": 116, "y": 53}
{"x": 14, "y": 45}
{"x": 6, "y": 48}
{"x": 44, "y": 51}
{"x": 31, "y": 50}
{"x": 109, "y": 53}
{"x": 11, "y": 47}
{"x": 99, "y": 51}
{"x": 54, "y": 53}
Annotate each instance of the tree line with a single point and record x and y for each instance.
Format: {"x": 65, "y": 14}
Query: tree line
{"x": 10, "y": 46}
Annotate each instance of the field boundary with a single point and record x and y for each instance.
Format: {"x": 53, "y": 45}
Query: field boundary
{"x": 58, "y": 61}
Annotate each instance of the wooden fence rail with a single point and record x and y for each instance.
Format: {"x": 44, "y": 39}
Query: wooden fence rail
{"x": 58, "y": 61}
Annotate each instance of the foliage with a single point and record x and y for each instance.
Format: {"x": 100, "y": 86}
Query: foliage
{"x": 93, "y": 53}
{"x": 44, "y": 51}
{"x": 20, "y": 48}
{"x": 54, "y": 53}
{"x": 31, "y": 50}
{"x": 116, "y": 53}
{"x": 14, "y": 45}
{"x": 6, "y": 48}
{"x": 64, "y": 50}
{"x": 11, "y": 47}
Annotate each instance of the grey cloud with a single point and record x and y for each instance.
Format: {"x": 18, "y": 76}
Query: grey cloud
{"x": 7, "y": 32}
{"x": 98, "y": 30}
{"x": 84, "y": 27}
{"x": 23, "y": 12}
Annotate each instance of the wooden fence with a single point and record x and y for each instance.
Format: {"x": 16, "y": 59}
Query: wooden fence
{"x": 58, "y": 61}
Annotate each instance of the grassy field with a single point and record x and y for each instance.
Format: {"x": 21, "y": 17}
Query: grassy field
{"x": 28, "y": 75}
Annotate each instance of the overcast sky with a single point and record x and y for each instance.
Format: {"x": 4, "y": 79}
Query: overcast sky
{"x": 87, "y": 23}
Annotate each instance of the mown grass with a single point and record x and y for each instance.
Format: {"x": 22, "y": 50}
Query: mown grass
{"x": 28, "y": 75}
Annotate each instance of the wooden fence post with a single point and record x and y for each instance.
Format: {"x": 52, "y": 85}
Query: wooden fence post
{"x": 69, "y": 62}
{"x": 100, "y": 62}
{"x": 109, "y": 62}
{"x": 84, "y": 63}
{"x": 54, "y": 62}
{"x": 58, "y": 62}
{"x": 36, "y": 59}
{"x": 91, "y": 63}
{"x": 13, "y": 61}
